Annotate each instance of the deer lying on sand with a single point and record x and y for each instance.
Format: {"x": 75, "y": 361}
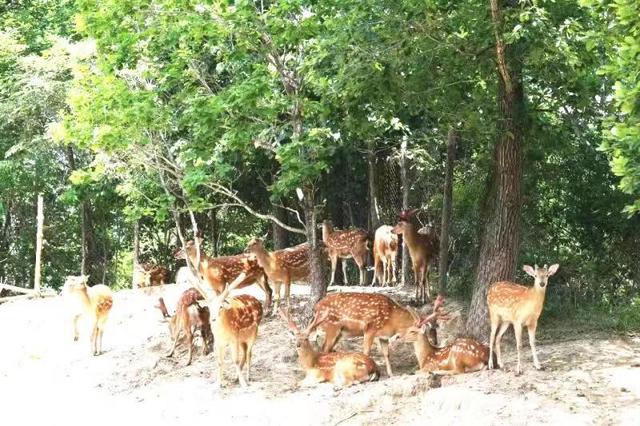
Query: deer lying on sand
{"x": 93, "y": 302}
{"x": 351, "y": 243}
{"x": 511, "y": 303}
{"x": 385, "y": 250}
{"x": 461, "y": 356}
{"x": 339, "y": 368}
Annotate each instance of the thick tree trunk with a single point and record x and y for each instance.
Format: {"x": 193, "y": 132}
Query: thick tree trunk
{"x": 447, "y": 206}
{"x": 318, "y": 257}
{"x": 500, "y": 241}
{"x": 404, "y": 180}
{"x": 280, "y": 236}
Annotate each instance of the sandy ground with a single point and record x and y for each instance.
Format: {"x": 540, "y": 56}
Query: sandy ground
{"x": 46, "y": 377}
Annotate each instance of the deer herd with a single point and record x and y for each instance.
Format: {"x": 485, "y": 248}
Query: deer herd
{"x": 211, "y": 313}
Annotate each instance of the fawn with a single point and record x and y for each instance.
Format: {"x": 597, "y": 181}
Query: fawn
{"x": 94, "y": 302}
{"x": 339, "y": 368}
{"x": 346, "y": 244}
{"x": 511, "y": 303}
{"x": 385, "y": 250}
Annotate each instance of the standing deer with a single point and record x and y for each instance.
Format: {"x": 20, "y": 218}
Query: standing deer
{"x": 385, "y": 250}
{"x": 461, "y": 356}
{"x": 94, "y": 302}
{"x": 339, "y": 368}
{"x": 220, "y": 271}
{"x": 346, "y": 244}
{"x": 511, "y": 303}
{"x": 282, "y": 266}
{"x": 374, "y": 316}
{"x": 422, "y": 248}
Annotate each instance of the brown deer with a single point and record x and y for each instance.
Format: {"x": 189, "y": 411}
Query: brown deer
{"x": 189, "y": 317}
{"x": 511, "y": 303}
{"x": 374, "y": 316}
{"x": 93, "y": 302}
{"x": 282, "y": 266}
{"x": 220, "y": 271}
{"x": 351, "y": 243}
{"x": 148, "y": 274}
{"x": 422, "y": 248}
{"x": 385, "y": 250}
{"x": 339, "y": 368}
{"x": 461, "y": 356}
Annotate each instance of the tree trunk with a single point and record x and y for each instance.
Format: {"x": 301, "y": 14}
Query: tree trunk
{"x": 374, "y": 219}
{"x": 317, "y": 256}
{"x": 39, "y": 237}
{"x": 89, "y": 265}
{"x": 213, "y": 220}
{"x": 447, "y": 201}
{"x": 406, "y": 261}
{"x": 500, "y": 241}
{"x": 280, "y": 236}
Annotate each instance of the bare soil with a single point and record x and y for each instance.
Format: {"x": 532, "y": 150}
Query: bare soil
{"x": 46, "y": 377}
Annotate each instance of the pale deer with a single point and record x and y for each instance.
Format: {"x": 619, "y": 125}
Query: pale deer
{"x": 93, "y": 302}
{"x": 189, "y": 318}
{"x": 374, "y": 316}
{"x": 385, "y": 250}
{"x": 339, "y": 368}
{"x": 282, "y": 266}
{"x": 220, "y": 271}
{"x": 511, "y": 303}
{"x": 461, "y": 356}
{"x": 141, "y": 277}
{"x": 422, "y": 249}
{"x": 351, "y": 243}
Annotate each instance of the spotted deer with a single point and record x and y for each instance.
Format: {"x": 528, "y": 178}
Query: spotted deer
{"x": 385, "y": 250}
{"x": 148, "y": 274}
{"x": 422, "y": 249}
{"x": 339, "y": 368}
{"x": 282, "y": 266}
{"x": 514, "y": 304}
{"x": 461, "y": 356}
{"x": 220, "y": 271}
{"x": 373, "y": 316}
{"x": 93, "y": 302}
{"x": 351, "y": 243}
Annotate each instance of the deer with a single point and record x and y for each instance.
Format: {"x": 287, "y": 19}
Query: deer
{"x": 220, "y": 271}
{"x": 351, "y": 243}
{"x": 147, "y": 274}
{"x": 518, "y": 305}
{"x": 339, "y": 368}
{"x": 463, "y": 355}
{"x": 373, "y": 316}
{"x": 422, "y": 249}
{"x": 188, "y": 318}
{"x": 282, "y": 266}
{"x": 385, "y": 250}
{"x": 93, "y": 302}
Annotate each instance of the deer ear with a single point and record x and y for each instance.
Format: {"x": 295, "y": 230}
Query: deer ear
{"x": 529, "y": 270}
{"x": 553, "y": 269}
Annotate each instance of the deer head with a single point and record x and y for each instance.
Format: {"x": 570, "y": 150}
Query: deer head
{"x": 424, "y": 323}
{"x": 75, "y": 282}
{"x": 541, "y": 275}
{"x": 302, "y": 336}
{"x": 254, "y": 245}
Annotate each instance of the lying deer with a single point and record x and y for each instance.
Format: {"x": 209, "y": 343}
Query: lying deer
{"x": 282, "y": 266}
{"x": 511, "y": 303}
{"x": 339, "y": 368}
{"x": 220, "y": 271}
{"x": 374, "y": 316}
{"x": 385, "y": 250}
{"x": 94, "y": 302}
{"x": 346, "y": 244}
{"x": 189, "y": 318}
{"x": 461, "y": 356}
{"x": 422, "y": 248}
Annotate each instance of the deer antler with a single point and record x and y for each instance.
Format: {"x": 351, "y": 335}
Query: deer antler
{"x": 287, "y": 318}
{"x": 438, "y": 313}
{"x": 316, "y": 321}
{"x": 406, "y": 215}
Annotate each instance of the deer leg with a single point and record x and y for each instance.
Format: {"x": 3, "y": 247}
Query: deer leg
{"x": 503, "y": 328}
{"x": 264, "y": 285}
{"x": 334, "y": 264}
{"x": 517, "y": 328}
{"x": 382, "y": 260}
{"x": 392, "y": 261}
{"x": 189, "y": 337}
{"x": 94, "y": 339}
{"x": 425, "y": 277}
{"x": 276, "y": 305}
{"x": 344, "y": 270}
{"x": 175, "y": 339}
{"x": 76, "y": 333}
{"x": 492, "y": 337}
{"x": 238, "y": 361}
{"x": 331, "y": 335}
{"x": 248, "y": 352}
{"x": 384, "y": 348}
{"x": 532, "y": 342}
{"x": 220, "y": 352}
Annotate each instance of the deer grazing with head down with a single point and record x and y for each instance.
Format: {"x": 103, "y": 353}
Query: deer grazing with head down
{"x": 385, "y": 250}
{"x": 461, "y": 356}
{"x": 373, "y": 316}
{"x": 350, "y": 243}
{"x": 422, "y": 249}
{"x": 93, "y": 302}
{"x": 511, "y": 303}
{"x": 282, "y": 266}
{"x": 220, "y": 271}
{"x": 339, "y": 368}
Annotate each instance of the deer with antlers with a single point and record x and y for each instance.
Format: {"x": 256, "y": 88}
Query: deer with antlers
{"x": 422, "y": 249}
{"x": 282, "y": 266}
{"x": 461, "y": 356}
{"x": 510, "y": 303}
{"x": 351, "y": 243}
{"x": 385, "y": 250}
{"x": 220, "y": 271}
{"x": 339, "y": 368}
